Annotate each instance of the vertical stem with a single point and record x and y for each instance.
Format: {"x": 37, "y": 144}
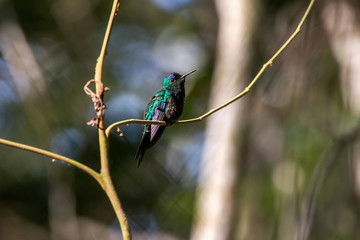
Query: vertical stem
{"x": 100, "y": 60}
{"x": 103, "y": 140}
{"x": 108, "y": 185}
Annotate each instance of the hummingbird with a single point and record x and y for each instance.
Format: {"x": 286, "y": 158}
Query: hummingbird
{"x": 166, "y": 105}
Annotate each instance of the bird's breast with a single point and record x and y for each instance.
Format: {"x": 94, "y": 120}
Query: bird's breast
{"x": 174, "y": 107}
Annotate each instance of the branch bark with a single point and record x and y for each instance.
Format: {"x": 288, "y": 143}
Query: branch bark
{"x": 219, "y": 167}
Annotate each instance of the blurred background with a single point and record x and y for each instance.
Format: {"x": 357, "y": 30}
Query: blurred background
{"x": 281, "y": 163}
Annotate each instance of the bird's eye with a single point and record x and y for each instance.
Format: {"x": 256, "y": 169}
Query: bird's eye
{"x": 172, "y": 79}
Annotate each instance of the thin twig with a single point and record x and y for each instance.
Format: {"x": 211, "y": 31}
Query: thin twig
{"x": 245, "y": 91}
{"x": 134, "y": 121}
{"x": 55, "y": 156}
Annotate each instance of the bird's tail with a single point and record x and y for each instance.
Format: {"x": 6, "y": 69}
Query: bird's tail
{"x": 139, "y": 155}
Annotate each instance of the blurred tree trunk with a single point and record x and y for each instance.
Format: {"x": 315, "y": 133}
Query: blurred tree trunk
{"x": 341, "y": 21}
{"x": 220, "y": 163}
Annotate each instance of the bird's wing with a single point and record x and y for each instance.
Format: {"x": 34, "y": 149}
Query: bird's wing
{"x": 155, "y": 110}
{"x": 159, "y": 113}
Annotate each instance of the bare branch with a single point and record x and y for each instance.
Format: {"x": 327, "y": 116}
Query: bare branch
{"x": 55, "y": 156}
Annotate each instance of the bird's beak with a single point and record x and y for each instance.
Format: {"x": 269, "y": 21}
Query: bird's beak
{"x": 184, "y": 75}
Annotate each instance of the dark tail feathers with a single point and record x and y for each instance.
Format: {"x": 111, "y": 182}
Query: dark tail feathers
{"x": 139, "y": 154}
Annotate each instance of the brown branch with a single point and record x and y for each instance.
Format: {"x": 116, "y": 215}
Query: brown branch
{"x": 99, "y": 105}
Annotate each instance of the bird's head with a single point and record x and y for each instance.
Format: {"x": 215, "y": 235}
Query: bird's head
{"x": 174, "y": 80}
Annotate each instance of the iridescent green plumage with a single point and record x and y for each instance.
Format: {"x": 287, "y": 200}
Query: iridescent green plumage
{"x": 165, "y": 105}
